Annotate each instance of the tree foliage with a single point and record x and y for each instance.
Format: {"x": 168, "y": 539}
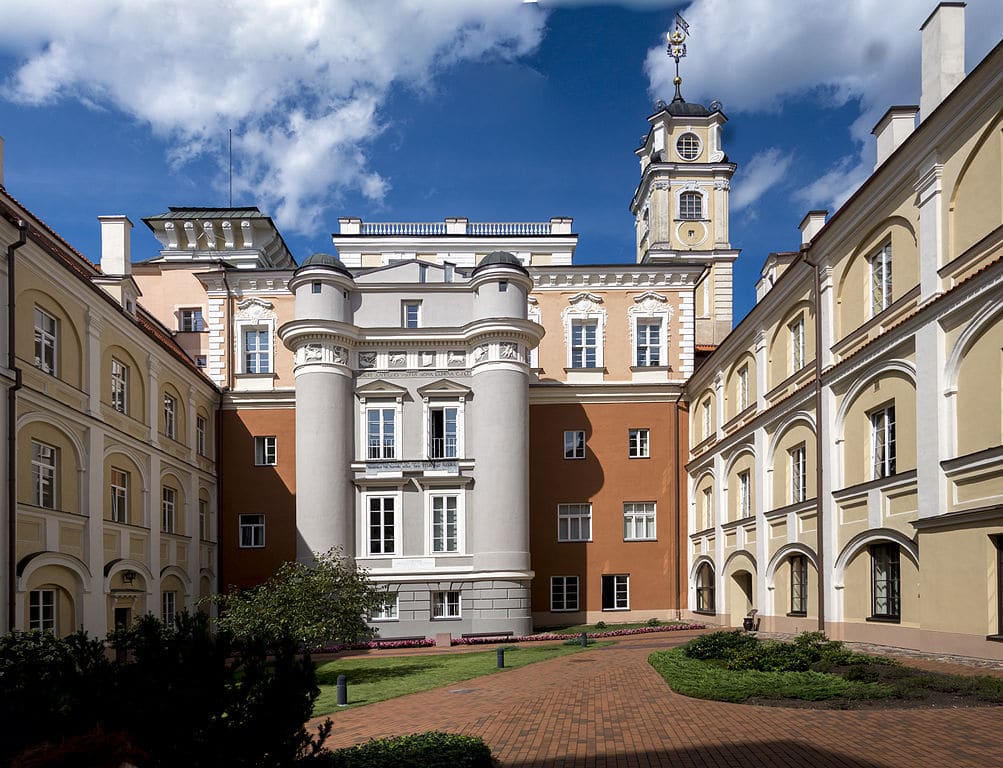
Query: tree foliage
{"x": 327, "y": 601}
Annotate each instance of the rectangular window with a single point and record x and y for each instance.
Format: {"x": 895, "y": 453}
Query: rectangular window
{"x": 799, "y": 476}
{"x": 42, "y": 610}
{"x": 200, "y": 427}
{"x": 564, "y": 593}
{"x": 691, "y": 205}
{"x": 119, "y": 386}
{"x": 380, "y": 433}
{"x": 386, "y": 610}
{"x": 170, "y": 417}
{"x": 583, "y": 344}
{"x": 200, "y": 361}
{"x": 637, "y": 444}
{"x": 410, "y": 314}
{"x": 442, "y": 434}
{"x": 448, "y": 272}
{"x": 45, "y": 341}
{"x": 744, "y": 495}
{"x": 881, "y": 280}
{"x": 886, "y": 594}
{"x": 615, "y": 592}
{"x": 574, "y": 444}
{"x": 168, "y": 511}
{"x": 252, "y": 531}
{"x": 445, "y": 524}
{"x": 191, "y": 320}
{"x": 883, "y": 442}
{"x": 168, "y": 606}
{"x": 315, "y": 287}
{"x": 799, "y": 585}
{"x": 574, "y": 522}
{"x": 43, "y": 475}
{"x": 743, "y": 388}
{"x": 257, "y": 351}
{"x": 639, "y": 521}
{"x": 445, "y": 605}
{"x": 119, "y": 496}
{"x": 265, "y": 451}
{"x": 797, "y": 344}
{"x": 708, "y": 508}
{"x": 203, "y": 519}
{"x": 649, "y": 341}
{"x": 708, "y": 422}
{"x": 382, "y": 525}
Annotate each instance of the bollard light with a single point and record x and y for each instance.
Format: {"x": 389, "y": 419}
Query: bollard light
{"x": 585, "y": 639}
{"x": 501, "y": 658}
{"x": 342, "y": 691}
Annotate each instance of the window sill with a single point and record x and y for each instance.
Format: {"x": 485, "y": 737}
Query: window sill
{"x": 614, "y": 610}
{"x": 591, "y": 369}
{"x": 251, "y": 546}
{"x": 627, "y": 541}
{"x": 447, "y": 618}
{"x": 885, "y": 619}
{"x": 574, "y": 541}
{"x": 564, "y": 610}
{"x": 995, "y": 638}
{"x": 638, "y": 457}
{"x": 798, "y": 614}
{"x": 704, "y": 613}
{"x": 642, "y": 368}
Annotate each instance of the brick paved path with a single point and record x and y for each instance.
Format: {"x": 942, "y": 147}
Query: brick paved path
{"x": 608, "y": 707}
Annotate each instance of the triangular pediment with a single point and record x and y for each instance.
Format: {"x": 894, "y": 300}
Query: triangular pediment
{"x": 444, "y": 388}
{"x": 380, "y": 388}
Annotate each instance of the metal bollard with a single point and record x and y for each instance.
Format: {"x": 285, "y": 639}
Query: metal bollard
{"x": 501, "y": 658}
{"x": 342, "y": 691}
{"x": 585, "y": 639}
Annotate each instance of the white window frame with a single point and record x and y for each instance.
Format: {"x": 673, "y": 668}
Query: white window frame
{"x": 646, "y": 353}
{"x": 708, "y": 419}
{"x": 569, "y": 585}
{"x": 366, "y": 527}
{"x": 257, "y": 361}
{"x": 119, "y": 386}
{"x": 639, "y": 443}
{"x": 882, "y": 441}
{"x": 799, "y": 473}
{"x": 388, "y": 610}
{"x": 204, "y": 519}
{"x": 685, "y": 211}
{"x": 744, "y": 494}
{"x": 266, "y": 451}
{"x": 411, "y": 313}
{"x": 640, "y": 521}
{"x": 621, "y": 591}
{"x": 430, "y": 405}
{"x": 692, "y": 188}
{"x": 395, "y": 408}
{"x": 650, "y": 308}
{"x": 170, "y": 416}
{"x": 574, "y": 444}
{"x": 200, "y": 433}
{"x": 447, "y": 604}
{"x": 251, "y": 531}
{"x": 679, "y": 140}
{"x": 191, "y": 320}
{"x": 168, "y": 510}
{"x": 585, "y": 308}
{"x": 44, "y": 474}
{"x": 42, "y": 610}
{"x": 796, "y": 329}
{"x": 46, "y": 342}
{"x": 571, "y": 515}
{"x": 708, "y": 508}
{"x": 168, "y": 605}
{"x": 881, "y": 279}
{"x": 119, "y": 495}
{"x": 743, "y": 388}
{"x": 431, "y": 497}
{"x": 580, "y": 353}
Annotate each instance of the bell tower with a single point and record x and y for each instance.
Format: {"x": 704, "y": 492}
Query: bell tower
{"x": 681, "y": 204}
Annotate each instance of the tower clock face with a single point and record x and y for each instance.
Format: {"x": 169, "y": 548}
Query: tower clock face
{"x": 691, "y": 233}
{"x": 688, "y": 146}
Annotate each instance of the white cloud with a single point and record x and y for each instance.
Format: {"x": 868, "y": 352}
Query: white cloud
{"x": 759, "y": 174}
{"x": 302, "y": 84}
{"x": 753, "y": 55}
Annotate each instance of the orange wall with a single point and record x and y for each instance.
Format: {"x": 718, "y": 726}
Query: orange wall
{"x": 606, "y": 478}
{"x": 248, "y": 489}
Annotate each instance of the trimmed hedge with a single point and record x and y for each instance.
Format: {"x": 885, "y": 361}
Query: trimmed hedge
{"x": 432, "y": 749}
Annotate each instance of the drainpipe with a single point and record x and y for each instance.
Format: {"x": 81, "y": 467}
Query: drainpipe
{"x": 22, "y": 229}
{"x": 819, "y": 527}
{"x": 677, "y": 554}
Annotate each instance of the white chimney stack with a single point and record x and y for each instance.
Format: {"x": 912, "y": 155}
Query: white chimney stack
{"x": 892, "y": 129}
{"x": 811, "y": 224}
{"x": 943, "y": 55}
{"x": 115, "y": 248}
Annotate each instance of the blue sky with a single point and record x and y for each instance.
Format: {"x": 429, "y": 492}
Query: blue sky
{"x": 421, "y": 109}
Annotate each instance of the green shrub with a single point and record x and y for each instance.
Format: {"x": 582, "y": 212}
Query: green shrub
{"x": 433, "y": 749}
{"x": 600, "y": 625}
{"x": 719, "y": 645}
{"x": 653, "y": 622}
{"x": 772, "y": 657}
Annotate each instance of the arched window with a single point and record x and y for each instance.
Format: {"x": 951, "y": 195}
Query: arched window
{"x": 705, "y": 588}
{"x": 691, "y": 205}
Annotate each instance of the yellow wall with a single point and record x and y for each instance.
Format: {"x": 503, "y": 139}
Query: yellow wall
{"x": 980, "y": 392}
{"x": 67, "y": 465}
{"x": 886, "y": 389}
{"x": 797, "y": 433}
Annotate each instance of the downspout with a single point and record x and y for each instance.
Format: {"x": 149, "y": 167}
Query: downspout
{"x": 22, "y": 228}
{"x": 231, "y": 361}
{"x": 819, "y": 527}
{"x": 679, "y": 518}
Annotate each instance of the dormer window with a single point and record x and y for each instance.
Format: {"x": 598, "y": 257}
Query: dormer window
{"x": 691, "y": 205}
{"x": 688, "y": 146}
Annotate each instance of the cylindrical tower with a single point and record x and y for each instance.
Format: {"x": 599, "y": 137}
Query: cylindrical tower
{"x": 320, "y": 338}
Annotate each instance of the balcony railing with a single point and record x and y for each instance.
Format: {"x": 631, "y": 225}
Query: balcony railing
{"x": 474, "y": 228}
{"x": 442, "y": 448}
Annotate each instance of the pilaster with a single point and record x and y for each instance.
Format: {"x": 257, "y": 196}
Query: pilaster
{"x": 929, "y": 191}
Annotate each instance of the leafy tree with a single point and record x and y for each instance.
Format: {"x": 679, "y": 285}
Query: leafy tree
{"x": 327, "y": 601}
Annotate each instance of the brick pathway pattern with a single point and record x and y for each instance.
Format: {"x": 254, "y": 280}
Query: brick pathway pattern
{"x": 608, "y": 707}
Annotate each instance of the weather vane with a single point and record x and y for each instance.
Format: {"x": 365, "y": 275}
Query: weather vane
{"x": 677, "y": 50}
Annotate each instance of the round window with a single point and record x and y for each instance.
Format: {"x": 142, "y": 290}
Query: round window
{"x": 688, "y": 146}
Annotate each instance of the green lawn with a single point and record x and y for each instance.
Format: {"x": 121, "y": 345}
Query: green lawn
{"x": 704, "y": 680}
{"x": 577, "y": 629}
{"x": 378, "y": 679}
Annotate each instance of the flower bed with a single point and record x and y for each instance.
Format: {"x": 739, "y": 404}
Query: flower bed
{"x": 557, "y": 636}
{"x": 377, "y": 644}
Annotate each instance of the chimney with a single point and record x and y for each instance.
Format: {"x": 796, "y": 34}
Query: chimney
{"x": 892, "y": 129}
{"x": 943, "y": 55}
{"x": 115, "y": 255}
{"x": 811, "y": 224}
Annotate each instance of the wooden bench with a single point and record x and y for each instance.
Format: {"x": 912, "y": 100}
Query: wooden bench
{"x": 380, "y": 640}
{"x": 507, "y": 633}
